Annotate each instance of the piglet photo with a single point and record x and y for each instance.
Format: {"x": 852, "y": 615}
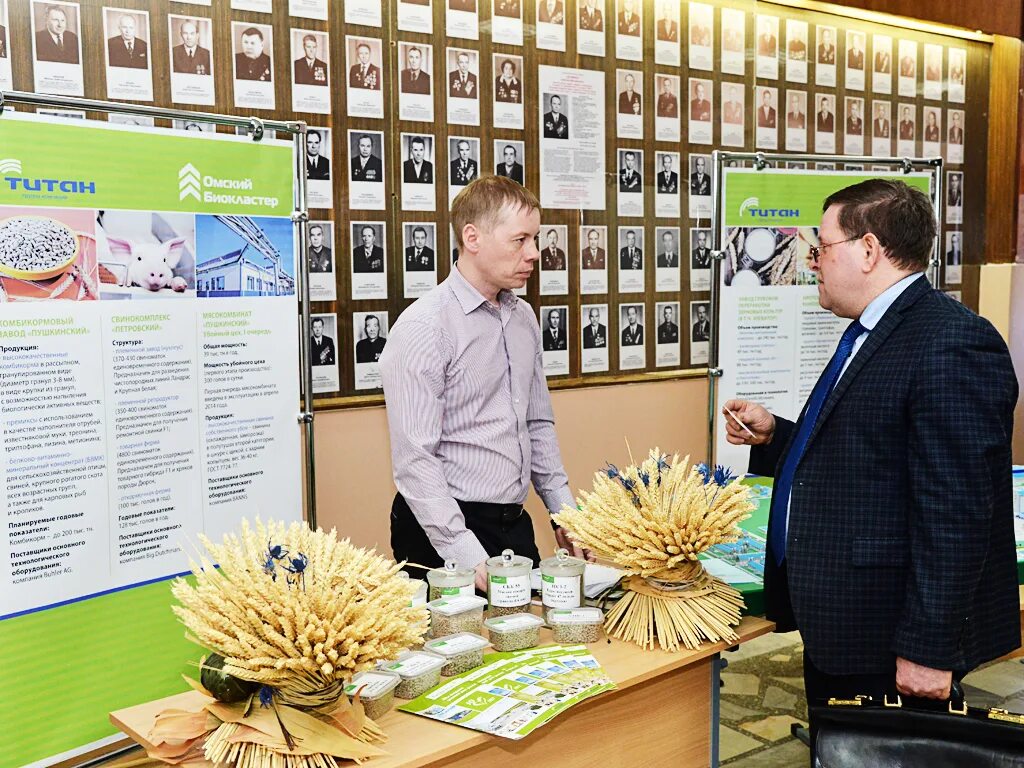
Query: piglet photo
{"x": 151, "y": 265}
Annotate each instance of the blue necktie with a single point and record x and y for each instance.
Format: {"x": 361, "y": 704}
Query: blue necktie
{"x": 784, "y": 482}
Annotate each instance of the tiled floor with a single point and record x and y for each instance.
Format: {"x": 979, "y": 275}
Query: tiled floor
{"x": 763, "y": 695}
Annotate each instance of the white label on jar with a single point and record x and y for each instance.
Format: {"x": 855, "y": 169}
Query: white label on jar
{"x": 415, "y": 665}
{"x": 370, "y": 686}
{"x": 561, "y": 591}
{"x": 453, "y": 646}
{"x": 510, "y": 623}
{"x": 465, "y": 589}
{"x": 509, "y": 591}
{"x": 578, "y": 616}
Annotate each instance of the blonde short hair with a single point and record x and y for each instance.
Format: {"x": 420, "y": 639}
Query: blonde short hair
{"x": 482, "y": 201}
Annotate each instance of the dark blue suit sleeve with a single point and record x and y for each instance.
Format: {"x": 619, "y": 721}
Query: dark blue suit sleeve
{"x": 960, "y": 415}
{"x": 765, "y": 458}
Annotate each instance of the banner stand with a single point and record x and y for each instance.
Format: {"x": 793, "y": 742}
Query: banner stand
{"x": 761, "y": 161}
{"x": 300, "y": 215}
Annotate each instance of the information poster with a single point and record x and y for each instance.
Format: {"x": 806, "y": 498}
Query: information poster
{"x": 572, "y": 138}
{"x": 774, "y": 337}
{"x": 150, "y": 394}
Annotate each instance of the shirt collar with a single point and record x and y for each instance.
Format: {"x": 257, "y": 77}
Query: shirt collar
{"x": 880, "y": 304}
{"x": 470, "y": 298}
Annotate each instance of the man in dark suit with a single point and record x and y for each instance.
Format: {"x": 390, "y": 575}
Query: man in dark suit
{"x": 593, "y": 256}
{"x": 190, "y": 58}
{"x": 550, "y": 12}
{"x": 310, "y": 70}
{"x": 252, "y": 63}
{"x": 668, "y": 329}
{"x": 417, "y": 169}
{"x": 855, "y": 55}
{"x": 854, "y": 122}
{"x": 883, "y": 61}
{"x": 554, "y": 336}
{"x": 668, "y": 256}
{"x": 508, "y": 9}
{"x": 368, "y": 257}
{"x": 700, "y": 106}
{"x": 418, "y": 257}
{"x": 317, "y": 167}
{"x": 595, "y": 335}
{"x": 556, "y": 125}
{"x": 906, "y": 126}
{"x": 825, "y": 120}
{"x": 668, "y": 104}
{"x": 701, "y": 328}
{"x": 880, "y": 127}
{"x": 955, "y": 191}
{"x": 413, "y": 79}
{"x": 552, "y": 257}
{"x": 321, "y": 348}
{"x": 630, "y": 179}
{"x": 366, "y": 166}
{"x": 667, "y": 180}
{"x": 767, "y": 43}
{"x": 630, "y": 256}
{"x": 908, "y": 64}
{"x": 364, "y": 73}
{"x": 953, "y": 255}
{"x": 903, "y": 577}
{"x": 320, "y": 260}
{"x": 700, "y": 182}
{"x": 629, "y": 99}
{"x": 628, "y": 20}
{"x": 795, "y": 118}
{"x": 700, "y": 257}
{"x": 796, "y": 49}
{"x": 510, "y": 168}
{"x": 368, "y": 350}
{"x": 463, "y": 168}
{"x": 591, "y": 17}
{"x": 826, "y": 48}
{"x": 667, "y": 29}
{"x": 126, "y": 50}
{"x": 956, "y": 132}
{"x": 56, "y": 43}
{"x": 633, "y": 333}
{"x": 766, "y": 115}
{"x": 462, "y": 82}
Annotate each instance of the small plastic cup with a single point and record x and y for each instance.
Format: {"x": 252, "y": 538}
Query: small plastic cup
{"x": 462, "y": 652}
{"x": 420, "y": 671}
{"x": 376, "y": 691}
{"x": 515, "y": 631}
{"x": 451, "y": 615}
{"x": 575, "y": 625}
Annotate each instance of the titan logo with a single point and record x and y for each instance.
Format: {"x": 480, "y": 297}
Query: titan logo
{"x": 10, "y": 165}
{"x": 189, "y": 180}
{"x": 11, "y": 170}
{"x": 752, "y": 207}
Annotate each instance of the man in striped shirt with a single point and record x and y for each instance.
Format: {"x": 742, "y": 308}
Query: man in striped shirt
{"x": 467, "y": 402}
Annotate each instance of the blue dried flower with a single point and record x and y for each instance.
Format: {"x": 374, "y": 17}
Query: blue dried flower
{"x": 705, "y": 472}
{"x": 645, "y": 478}
{"x": 723, "y": 475}
{"x": 612, "y": 471}
{"x": 663, "y": 465}
{"x": 266, "y": 696}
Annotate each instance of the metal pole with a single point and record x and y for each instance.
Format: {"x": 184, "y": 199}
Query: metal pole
{"x": 938, "y": 200}
{"x": 717, "y": 207}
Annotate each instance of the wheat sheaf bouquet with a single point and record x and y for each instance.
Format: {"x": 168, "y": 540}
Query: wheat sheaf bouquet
{"x": 290, "y": 615}
{"x": 653, "y": 520}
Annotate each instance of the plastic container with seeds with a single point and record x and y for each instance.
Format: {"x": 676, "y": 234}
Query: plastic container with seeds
{"x": 420, "y": 671}
{"x": 575, "y": 625}
{"x": 561, "y": 579}
{"x": 376, "y": 691}
{"x": 451, "y": 581}
{"x": 463, "y": 652}
{"x": 462, "y": 613}
{"x": 515, "y": 631}
{"x": 508, "y": 583}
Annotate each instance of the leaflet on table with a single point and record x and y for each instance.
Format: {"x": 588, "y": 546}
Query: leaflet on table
{"x": 513, "y": 694}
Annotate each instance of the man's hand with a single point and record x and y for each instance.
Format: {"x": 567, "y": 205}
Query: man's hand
{"x": 563, "y": 541}
{"x": 481, "y": 576}
{"x": 924, "y": 682}
{"x": 755, "y": 417}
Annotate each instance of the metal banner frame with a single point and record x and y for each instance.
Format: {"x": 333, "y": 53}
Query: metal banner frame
{"x": 300, "y": 215}
{"x": 762, "y": 160}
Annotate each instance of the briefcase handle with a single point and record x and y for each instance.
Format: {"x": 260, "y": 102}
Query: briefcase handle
{"x": 957, "y": 704}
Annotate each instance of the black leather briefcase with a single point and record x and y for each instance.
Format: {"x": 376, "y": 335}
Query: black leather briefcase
{"x": 863, "y": 733}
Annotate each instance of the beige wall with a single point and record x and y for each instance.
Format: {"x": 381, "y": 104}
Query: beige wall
{"x": 1001, "y": 300}
{"x": 353, "y": 455}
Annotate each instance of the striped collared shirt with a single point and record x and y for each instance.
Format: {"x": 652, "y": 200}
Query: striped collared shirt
{"x": 469, "y": 412}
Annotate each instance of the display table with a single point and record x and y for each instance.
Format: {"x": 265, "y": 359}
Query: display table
{"x": 663, "y": 713}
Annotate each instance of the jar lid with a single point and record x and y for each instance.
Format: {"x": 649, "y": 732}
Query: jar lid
{"x": 513, "y": 622}
{"x": 456, "y": 604}
{"x": 373, "y": 684}
{"x": 450, "y": 572}
{"x": 508, "y": 560}
{"x": 562, "y": 560}
{"x": 585, "y": 615}
{"x": 454, "y": 645}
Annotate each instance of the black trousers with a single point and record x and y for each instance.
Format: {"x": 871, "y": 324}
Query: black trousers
{"x": 497, "y": 526}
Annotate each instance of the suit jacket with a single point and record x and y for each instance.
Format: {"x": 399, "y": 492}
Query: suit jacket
{"x": 556, "y": 16}
{"x": 595, "y": 339}
{"x": 372, "y": 263}
{"x": 668, "y": 105}
{"x": 766, "y": 121}
{"x": 928, "y": 402}
{"x": 855, "y": 59}
{"x": 549, "y": 260}
{"x": 955, "y": 197}
{"x": 767, "y": 45}
{"x": 700, "y": 110}
{"x": 47, "y": 50}
{"x": 668, "y": 333}
{"x": 667, "y": 29}
{"x": 306, "y": 75}
{"x": 931, "y": 133}
{"x": 953, "y": 257}
{"x": 666, "y": 262}
{"x": 883, "y": 62}
{"x": 627, "y": 103}
{"x": 423, "y": 263}
{"x": 510, "y": 9}
{"x": 459, "y": 90}
{"x": 956, "y": 135}
{"x": 797, "y": 50}
{"x": 461, "y": 174}
{"x": 630, "y": 26}
{"x": 700, "y": 331}
{"x": 636, "y": 261}
{"x": 117, "y": 53}
{"x": 421, "y": 85}
{"x": 700, "y": 184}
{"x": 630, "y": 182}
{"x": 906, "y": 130}
{"x": 322, "y": 170}
{"x": 826, "y": 55}
{"x": 591, "y": 22}
{"x": 253, "y": 69}
{"x": 551, "y": 344}
{"x": 320, "y": 262}
{"x": 631, "y": 338}
{"x": 322, "y": 353}
{"x": 372, "y": 171}
{"x": 197, "y": 64}
{"x": 368, "y": 351}
{"x": 516, "y": 174}
{"x": 556, "y": 126}
{"x": 425, "y": 176}
{"x": 700, "y": 258}
{"x": 796, "y": 120}
{"x": 370, "y": 81}
{"x": 668, "y": 184}
{"x": 593, "y": 261}
{"x": 855, "y": 126}
{"x": 508, "y": 93}
{"x": 826, "y": 123}
{"x": 908, "y": 66}
{"x": 880, "y": 129}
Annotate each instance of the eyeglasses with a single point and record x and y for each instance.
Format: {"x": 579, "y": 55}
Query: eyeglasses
{"x": 816, "y": 250}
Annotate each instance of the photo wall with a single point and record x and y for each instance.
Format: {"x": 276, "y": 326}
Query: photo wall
{"x": 607, "y": 109}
